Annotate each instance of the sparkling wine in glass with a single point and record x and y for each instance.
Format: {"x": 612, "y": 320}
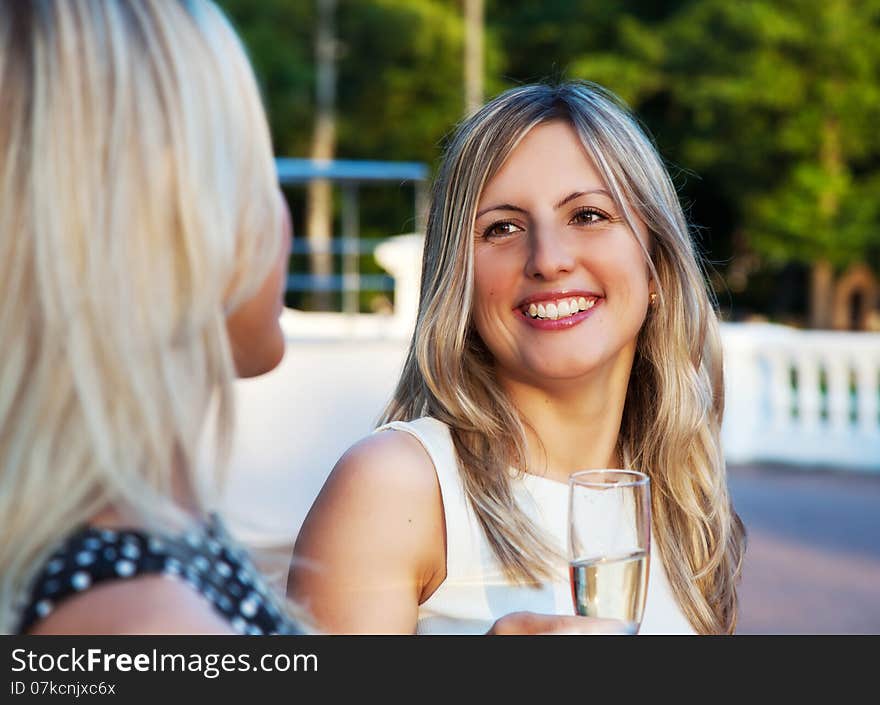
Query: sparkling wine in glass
{"x": 609, "y": 532}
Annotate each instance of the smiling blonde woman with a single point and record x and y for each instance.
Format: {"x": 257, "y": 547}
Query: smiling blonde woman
{"x": 143, "y": 250}
{"x": 564, "y": 324}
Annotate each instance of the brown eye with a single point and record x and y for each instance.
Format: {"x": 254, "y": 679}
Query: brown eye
{"x": 588, "y": 216}
{"x": 500, "y": 229}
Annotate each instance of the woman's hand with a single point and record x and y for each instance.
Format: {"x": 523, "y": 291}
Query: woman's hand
{"x": 534, "y": 623}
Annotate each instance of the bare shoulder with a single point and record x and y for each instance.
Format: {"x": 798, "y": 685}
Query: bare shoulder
{"x": 384, "y": 483}
{"x": 387, "y": 461}
{"x": 374, "y": 540}
{"x": 152, "y": 604}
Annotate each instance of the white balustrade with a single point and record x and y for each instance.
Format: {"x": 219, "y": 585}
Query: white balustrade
{"x": 837, "y": 374}
{"x": 868, "y": 377}
{"x": 831, "y": 418}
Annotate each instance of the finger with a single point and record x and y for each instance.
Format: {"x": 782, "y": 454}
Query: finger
{"x": 520, "y": 623}
{"x": 588, "y": 626}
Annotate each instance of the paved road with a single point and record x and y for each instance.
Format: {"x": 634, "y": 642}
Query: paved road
{"x": 813, "y": 560}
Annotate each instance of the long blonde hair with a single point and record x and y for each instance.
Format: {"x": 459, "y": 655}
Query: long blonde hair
{"x": 138, "y": 206}
{"x": 674, "y": 404}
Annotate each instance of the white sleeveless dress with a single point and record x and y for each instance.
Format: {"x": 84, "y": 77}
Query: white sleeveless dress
{"x": 476, "y": 592}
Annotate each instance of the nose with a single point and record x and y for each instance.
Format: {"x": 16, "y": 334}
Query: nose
{"x": 549, "y": 255}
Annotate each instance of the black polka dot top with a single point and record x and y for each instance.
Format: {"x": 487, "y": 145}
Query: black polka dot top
{"x": 208, "y": 560}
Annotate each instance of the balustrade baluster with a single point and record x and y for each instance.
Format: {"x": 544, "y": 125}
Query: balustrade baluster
{"x": 838, "y": 404}
{"x": 808, "y": 393}
{"x": 779, "y": 394}
{"x": 867, "y": 373}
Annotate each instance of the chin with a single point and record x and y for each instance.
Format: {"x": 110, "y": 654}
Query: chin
{"x": 561, "y": 374}
{"x": 564, "y": 367}
{"x": 260, "y": 359}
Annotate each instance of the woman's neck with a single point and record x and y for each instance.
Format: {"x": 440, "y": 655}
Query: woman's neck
{"x": 183, "y": 496}
{"x": 573, "y": 424}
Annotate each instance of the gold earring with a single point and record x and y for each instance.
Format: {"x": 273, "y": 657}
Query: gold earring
{"x": 653, "y": 298}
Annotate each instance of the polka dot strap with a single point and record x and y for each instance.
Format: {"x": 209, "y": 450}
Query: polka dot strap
{"x": 209, "y": 561}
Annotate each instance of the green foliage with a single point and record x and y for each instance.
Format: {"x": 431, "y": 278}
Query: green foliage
{"x": 400, "y": 77}
{"x": 278, "y": 37}
{"x": 633, "y": 67}
{"x": 782, "y": 98}
{"x": 399, "y": 86}
{"x": 774, "y": 103}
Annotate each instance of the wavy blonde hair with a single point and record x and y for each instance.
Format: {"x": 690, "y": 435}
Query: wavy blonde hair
{"x": 139, "y": 207}
{"x": 675, "y": 398}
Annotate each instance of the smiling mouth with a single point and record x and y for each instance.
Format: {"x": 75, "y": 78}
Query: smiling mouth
{"x": 555, "y": 310}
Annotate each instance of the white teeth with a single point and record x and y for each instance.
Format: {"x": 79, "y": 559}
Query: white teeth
{"x": 563, "y": 308}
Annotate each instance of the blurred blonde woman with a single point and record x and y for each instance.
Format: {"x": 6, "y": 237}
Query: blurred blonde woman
{"x": 143, "y": 250}
{"x": 564, "y": 324}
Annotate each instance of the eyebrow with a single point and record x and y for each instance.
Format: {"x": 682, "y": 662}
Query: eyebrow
{"x": 570, "y": 197}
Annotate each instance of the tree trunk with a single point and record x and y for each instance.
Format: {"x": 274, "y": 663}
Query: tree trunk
{"x": 319, "y": 197}
{"x": 822, "y": 274}
{"x": 821, "y": 293}
{"x": 473, "y": 55}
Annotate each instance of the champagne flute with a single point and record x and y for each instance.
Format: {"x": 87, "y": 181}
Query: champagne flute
{"x": 609, "y": 538}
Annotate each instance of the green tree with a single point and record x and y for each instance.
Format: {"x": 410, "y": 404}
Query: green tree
{"x": 278, "y": 35}
{"x": 770, "y": 106}
{"x": 774, "y": 103}
{"x": 784, "y": 99}
{"x": 399, "y": 87}
{"x": 400, "y": 72}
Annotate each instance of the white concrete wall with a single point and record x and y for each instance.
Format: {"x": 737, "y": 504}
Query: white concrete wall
{"x": 294, "y": 423}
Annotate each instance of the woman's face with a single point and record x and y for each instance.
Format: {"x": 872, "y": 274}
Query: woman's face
{"x": 561, "y": 283}
{"x": 254, "y": 328}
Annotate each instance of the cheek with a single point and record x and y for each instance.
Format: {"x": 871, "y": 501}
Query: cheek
{"x": 622, "y": 274}
{"x": 623, "y": 267}
{"x": 497, "y": 272}
{"x": 255, "y": 332}
{"x": 490, "y": 287}
{"x": 633, "y": 286}
{"x": 483, "y": 275}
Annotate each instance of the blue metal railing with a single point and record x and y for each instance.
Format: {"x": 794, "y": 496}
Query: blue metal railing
{"x": 339, "y": 282}
{"x": 300, "y": 171}
{"x": 339, "y": 246}
{"x": 349, "y": 174}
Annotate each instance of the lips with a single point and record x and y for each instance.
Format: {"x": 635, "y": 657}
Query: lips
{"x": 555, "y": 310}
